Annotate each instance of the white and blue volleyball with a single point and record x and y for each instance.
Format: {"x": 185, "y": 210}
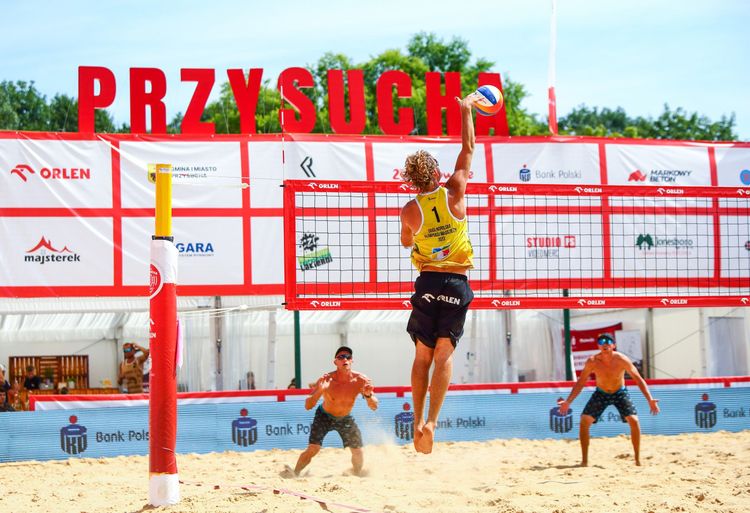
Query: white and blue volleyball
{"x": 488, "y": 100}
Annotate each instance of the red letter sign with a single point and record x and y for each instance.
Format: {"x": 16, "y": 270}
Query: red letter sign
{"x": 436, "y": 102}
{"x": 191, "y": 123}
{"x": 336, "y": 101}
{"x": 386, "y": 121}
{"x": 289, "y": 81}
{"x": 246, "y": 96}
{"x": 140, "y": 99}
{"x": 87, "y": 100}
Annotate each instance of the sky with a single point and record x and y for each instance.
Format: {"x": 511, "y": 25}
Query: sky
{"x": 639, "y": 55}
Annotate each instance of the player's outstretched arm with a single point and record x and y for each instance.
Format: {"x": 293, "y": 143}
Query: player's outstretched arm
{"x": 633, "y": 371}
{"x": 456, "y": 184}
{"x": 588, "y": 369}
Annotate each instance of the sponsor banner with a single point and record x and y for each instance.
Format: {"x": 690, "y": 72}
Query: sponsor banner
{"x": 301, "y": 161}
{"x": 340, "y": 253}
{"x": 54, "y": 174}
{"x": 209, "y": 250}
{"x": 204, "y": 174}
{"x": 662, "y": 246}
{"x": 203, "y": 428}
{"x": 389, "y": 158}
{"x": 735, "y": 247}
{"x": 658, "y": 165}
{"x": 56, "y": 251}
{"x": 267, "y": 258}
{"x": 531, "y": 247}
{"x": 733, "y": 167}
{"x": 583, "y": 342}
{"x": 539, "y": 163}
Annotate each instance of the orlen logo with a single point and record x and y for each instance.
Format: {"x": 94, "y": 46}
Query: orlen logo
{"x": 505, "y": 302}
{"x": 325, "y": 304}
{"x": 666, "y": 301}
{"x": 592, "y": 302}
{"x": 662, "y": 190}
{"x": 637, "y": 176}
{"x": 314, "y": 185}
{"x": 52, "y": 173}
{"x": 502, "y": 188}
{"x": 594, "y": 190}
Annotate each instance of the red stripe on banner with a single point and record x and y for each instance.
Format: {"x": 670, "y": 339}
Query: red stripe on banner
{"x": 247, "y": 240}
{"x": 372, "y": 236}
{"x": 290, "y": 244}
{"x": 716, "y": 215}
{"x": 116, "y": 214}
{"x": 491, "y": 206}
{"x": 606, "y": 231}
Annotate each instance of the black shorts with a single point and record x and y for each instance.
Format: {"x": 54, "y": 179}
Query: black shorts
{"x": 439, "y": 306}
{"x": 600, "y": 400}
{"x": 345, "y": 426}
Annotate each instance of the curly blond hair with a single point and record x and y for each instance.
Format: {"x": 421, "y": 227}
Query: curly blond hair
{"x": 419, "y": 170}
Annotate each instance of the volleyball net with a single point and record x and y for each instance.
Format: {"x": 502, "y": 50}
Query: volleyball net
{"x": 535, "y": 246}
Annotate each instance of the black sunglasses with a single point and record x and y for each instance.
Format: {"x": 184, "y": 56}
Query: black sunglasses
{"x": 344, "y": 357}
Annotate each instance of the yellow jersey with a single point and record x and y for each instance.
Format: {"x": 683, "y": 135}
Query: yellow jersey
{"x": 442, "y": 241}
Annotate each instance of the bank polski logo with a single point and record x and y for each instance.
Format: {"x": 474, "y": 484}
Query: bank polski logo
{"x": 73, "y": 438}
{"x": 524, "y": 174}
{"x": 559, "y": 423}
{"x": 705, "y": 413}
{"x": 745, "y": 176}
{"x": 404, "y": 423}
{"x": 244, "y": 430}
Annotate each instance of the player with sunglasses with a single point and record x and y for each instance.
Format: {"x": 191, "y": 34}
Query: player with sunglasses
{"x": 339, "y": 390}
{"x": 610, "y": 367}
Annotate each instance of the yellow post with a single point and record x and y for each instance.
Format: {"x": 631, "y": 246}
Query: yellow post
{"x": 163, "y": 200}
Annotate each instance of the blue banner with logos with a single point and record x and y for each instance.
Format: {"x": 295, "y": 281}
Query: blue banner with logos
{"x": 216, "y": 427}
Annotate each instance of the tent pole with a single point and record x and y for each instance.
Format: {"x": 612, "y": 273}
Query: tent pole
{"x": 568, "y": 349}
{"x": 297, "y": 351}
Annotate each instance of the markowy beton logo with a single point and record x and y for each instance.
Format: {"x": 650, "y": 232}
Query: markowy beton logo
{"x": 559, "y": 423}
{"x": 404, "y": 423}
{"x": 73, "y": 439}
{"x": 705, "y": 413}
{"x": 24, "y": 171}
{"x": 244, "y": 430}
{"x": 637, "y": 176}
{"x": 45, "y": 252}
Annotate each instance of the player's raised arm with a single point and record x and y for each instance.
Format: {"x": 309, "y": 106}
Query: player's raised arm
{"x": 456, "y": 184}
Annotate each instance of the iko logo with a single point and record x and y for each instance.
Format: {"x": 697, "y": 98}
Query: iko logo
{"x": 559, "y": 423}
{"x": 306, "y": 166}
{"x": 637, "y": 176}
{"x": 73, "y": 438}
{"x": 53, "y": 173}
{"x": 46, "y": 252}
{"x": 745, "y": 176}
{"x": 404, "y": 423}
{"x": 189, "y": 249}
{"x": 705, "y": 413}
{"x": 428, "y": 297}
{"x": 244, "y": 430}
{"x": 524, "y": 174}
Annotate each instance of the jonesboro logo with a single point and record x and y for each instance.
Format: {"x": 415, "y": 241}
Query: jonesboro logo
{"x": 195, "y": 249}
{"x": 662, "y": 176}
{"x": 244, "y": 430}
{"x": 45, "y": 252}
{"x": 404, "y": 423}
{"x": 24, "y": 171}
{"x": 73, "y": 438}
{"x": 549, "y": 246}
{"x": 647, "y": 242}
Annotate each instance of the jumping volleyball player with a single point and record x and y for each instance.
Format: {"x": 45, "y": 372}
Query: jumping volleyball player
{"x": 434, "y": 226}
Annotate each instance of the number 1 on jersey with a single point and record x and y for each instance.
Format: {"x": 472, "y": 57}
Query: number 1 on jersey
{"x": 434, "y": 210}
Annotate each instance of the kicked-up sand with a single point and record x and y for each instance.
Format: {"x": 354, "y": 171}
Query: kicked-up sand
{"x": 685, "y": 473}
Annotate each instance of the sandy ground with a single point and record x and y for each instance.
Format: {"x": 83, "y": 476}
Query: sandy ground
{"x": 692, "y": 472}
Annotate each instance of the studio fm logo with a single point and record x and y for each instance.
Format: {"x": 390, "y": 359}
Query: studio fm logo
{"x": 559, "y": 423}
{"x": 44, "y": 252}
{"x": 549, "y": 246}
{"x": 659, "y": 176}
{"x": 705, "y": 413}
{"x": 25, "y": 171}
{"x": 73, "y": 438}
{"x": 195, "y": 249}
{"x": 312, "y": 256}
{"x": 404, "y": 423}
{"x": 244, "y": 430}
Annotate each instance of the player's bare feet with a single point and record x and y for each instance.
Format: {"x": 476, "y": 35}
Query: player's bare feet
{"x": 418, "y": 435}
{"x": 584, "y": 463}
{"x": 428, "y": 436}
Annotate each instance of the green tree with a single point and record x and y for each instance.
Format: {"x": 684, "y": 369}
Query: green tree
{"x": 28, "y": 105}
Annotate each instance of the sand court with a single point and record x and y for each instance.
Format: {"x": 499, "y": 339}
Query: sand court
{"x": 690, "y": 472}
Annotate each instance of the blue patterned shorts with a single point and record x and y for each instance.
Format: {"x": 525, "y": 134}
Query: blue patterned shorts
{"x": 600, "y": 400}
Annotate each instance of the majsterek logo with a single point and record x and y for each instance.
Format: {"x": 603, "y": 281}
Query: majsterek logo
{"x": 24, "y": 171}
{"x": 45, "y": 252}
{"x": 637, "y": 176}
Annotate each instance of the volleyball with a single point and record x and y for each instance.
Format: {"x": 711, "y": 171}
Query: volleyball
{"x": 488, "y": 100}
